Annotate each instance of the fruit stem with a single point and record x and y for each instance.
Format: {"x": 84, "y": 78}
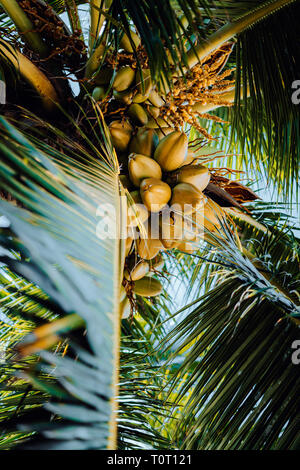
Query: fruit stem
{"x": 25, "y": 27}
{"x": 97, "y": 20}
{"x": 227, "y": 96}
{"x": 73, "y": 16}
{"x": 96, "y": 52}
{"x": 116, "y": 320}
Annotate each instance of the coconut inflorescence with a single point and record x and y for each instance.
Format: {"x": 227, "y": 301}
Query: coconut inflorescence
{"x": 165, "y": 190}
{"x": 161, "y": 175}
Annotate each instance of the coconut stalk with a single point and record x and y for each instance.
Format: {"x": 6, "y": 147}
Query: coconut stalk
{"x": 73, "y": 16}
{"x": 119, "y": 263}
{"x": 32, "y": 74}
{"x": 223, "y": 35}
{"x": 231, "y": 29}
{"x": 97, "y": 20}
{"x": 205, "y": 108}
{"x": 25, "y": 27}
{"x": 96, "y": 54}
{"x": 2, "y": 87}
{"x": 227, "y": 96}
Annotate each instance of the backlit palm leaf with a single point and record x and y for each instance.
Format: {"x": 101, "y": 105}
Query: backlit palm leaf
{"x": 238, "y": 344}
{"x": 60, "y": 252}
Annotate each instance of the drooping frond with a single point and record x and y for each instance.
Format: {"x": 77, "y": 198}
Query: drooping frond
{"x": 238, "y": 349}
{"x": 234, "y": 382}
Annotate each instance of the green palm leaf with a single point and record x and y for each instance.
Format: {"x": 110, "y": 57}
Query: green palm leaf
{"x": 267, "y": 125}
{"x": 231, "y": 356}
{"x": 60, "y": 252}
{"x": 242, "y": 384}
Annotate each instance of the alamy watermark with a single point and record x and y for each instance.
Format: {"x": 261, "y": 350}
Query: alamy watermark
{"x": 2, "y": 354}
{"x": 296, "y": 93}
{"x": 296, "y": 353}
{"x": 186, "y": 218}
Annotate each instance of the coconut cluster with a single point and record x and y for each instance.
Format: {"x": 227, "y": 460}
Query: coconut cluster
{"x": 167, "y": 208}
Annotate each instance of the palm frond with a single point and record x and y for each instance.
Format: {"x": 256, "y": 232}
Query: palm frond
{"x": 267, "y": 128}
{"x": 142, "y": 405}
{"x": 56, "y": 247}
{"x": 238, "y": 350}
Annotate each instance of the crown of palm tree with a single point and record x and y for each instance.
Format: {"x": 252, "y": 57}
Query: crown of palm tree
{"x": 219, "y": 373}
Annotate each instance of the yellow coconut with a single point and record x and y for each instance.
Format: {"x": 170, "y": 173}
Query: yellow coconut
{"x": 137, "y": 272}
{"x": 123, "y": 96}
{"x": 171, "y": 229}
{"x": 126, "y": 44}
{"x": 125, "y": 308}
{"x": 149, "y": 244}
{"x": 156, "y": 99}
{"x": 122, "y": 292}
{"x": 99, "y": 93}
{"x": 141, "y": 167}
{"x": 143, "y": 85}
{"x": 138, "y": 114}
{"x": 164, "y": 131}
{"x": 187, "y": 197}
{"x": 128, "y": 245}
{"x": 190, "y": 230}
{"x": 120, "y": 134}
{"x": 148, "y": 287}
{"x": 197, "y": 175}
{"x": 155, "y": 193}
{"x": 158, "y": 123}
{"x": 137, "y": 213}
{"x": 123, "y": 79}
{"x": 144, "y": 142}
{"x": 157, "y": 263}
{"x": 171, "y": 151}
{"x": 190, "y": 159}
{"x": 153, "y": 111}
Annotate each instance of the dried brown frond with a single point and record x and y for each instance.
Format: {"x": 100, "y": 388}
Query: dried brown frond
{"x": 236, "y": 189}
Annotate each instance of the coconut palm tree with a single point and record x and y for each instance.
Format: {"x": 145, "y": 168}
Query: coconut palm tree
{"x": 93, "y": 355}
